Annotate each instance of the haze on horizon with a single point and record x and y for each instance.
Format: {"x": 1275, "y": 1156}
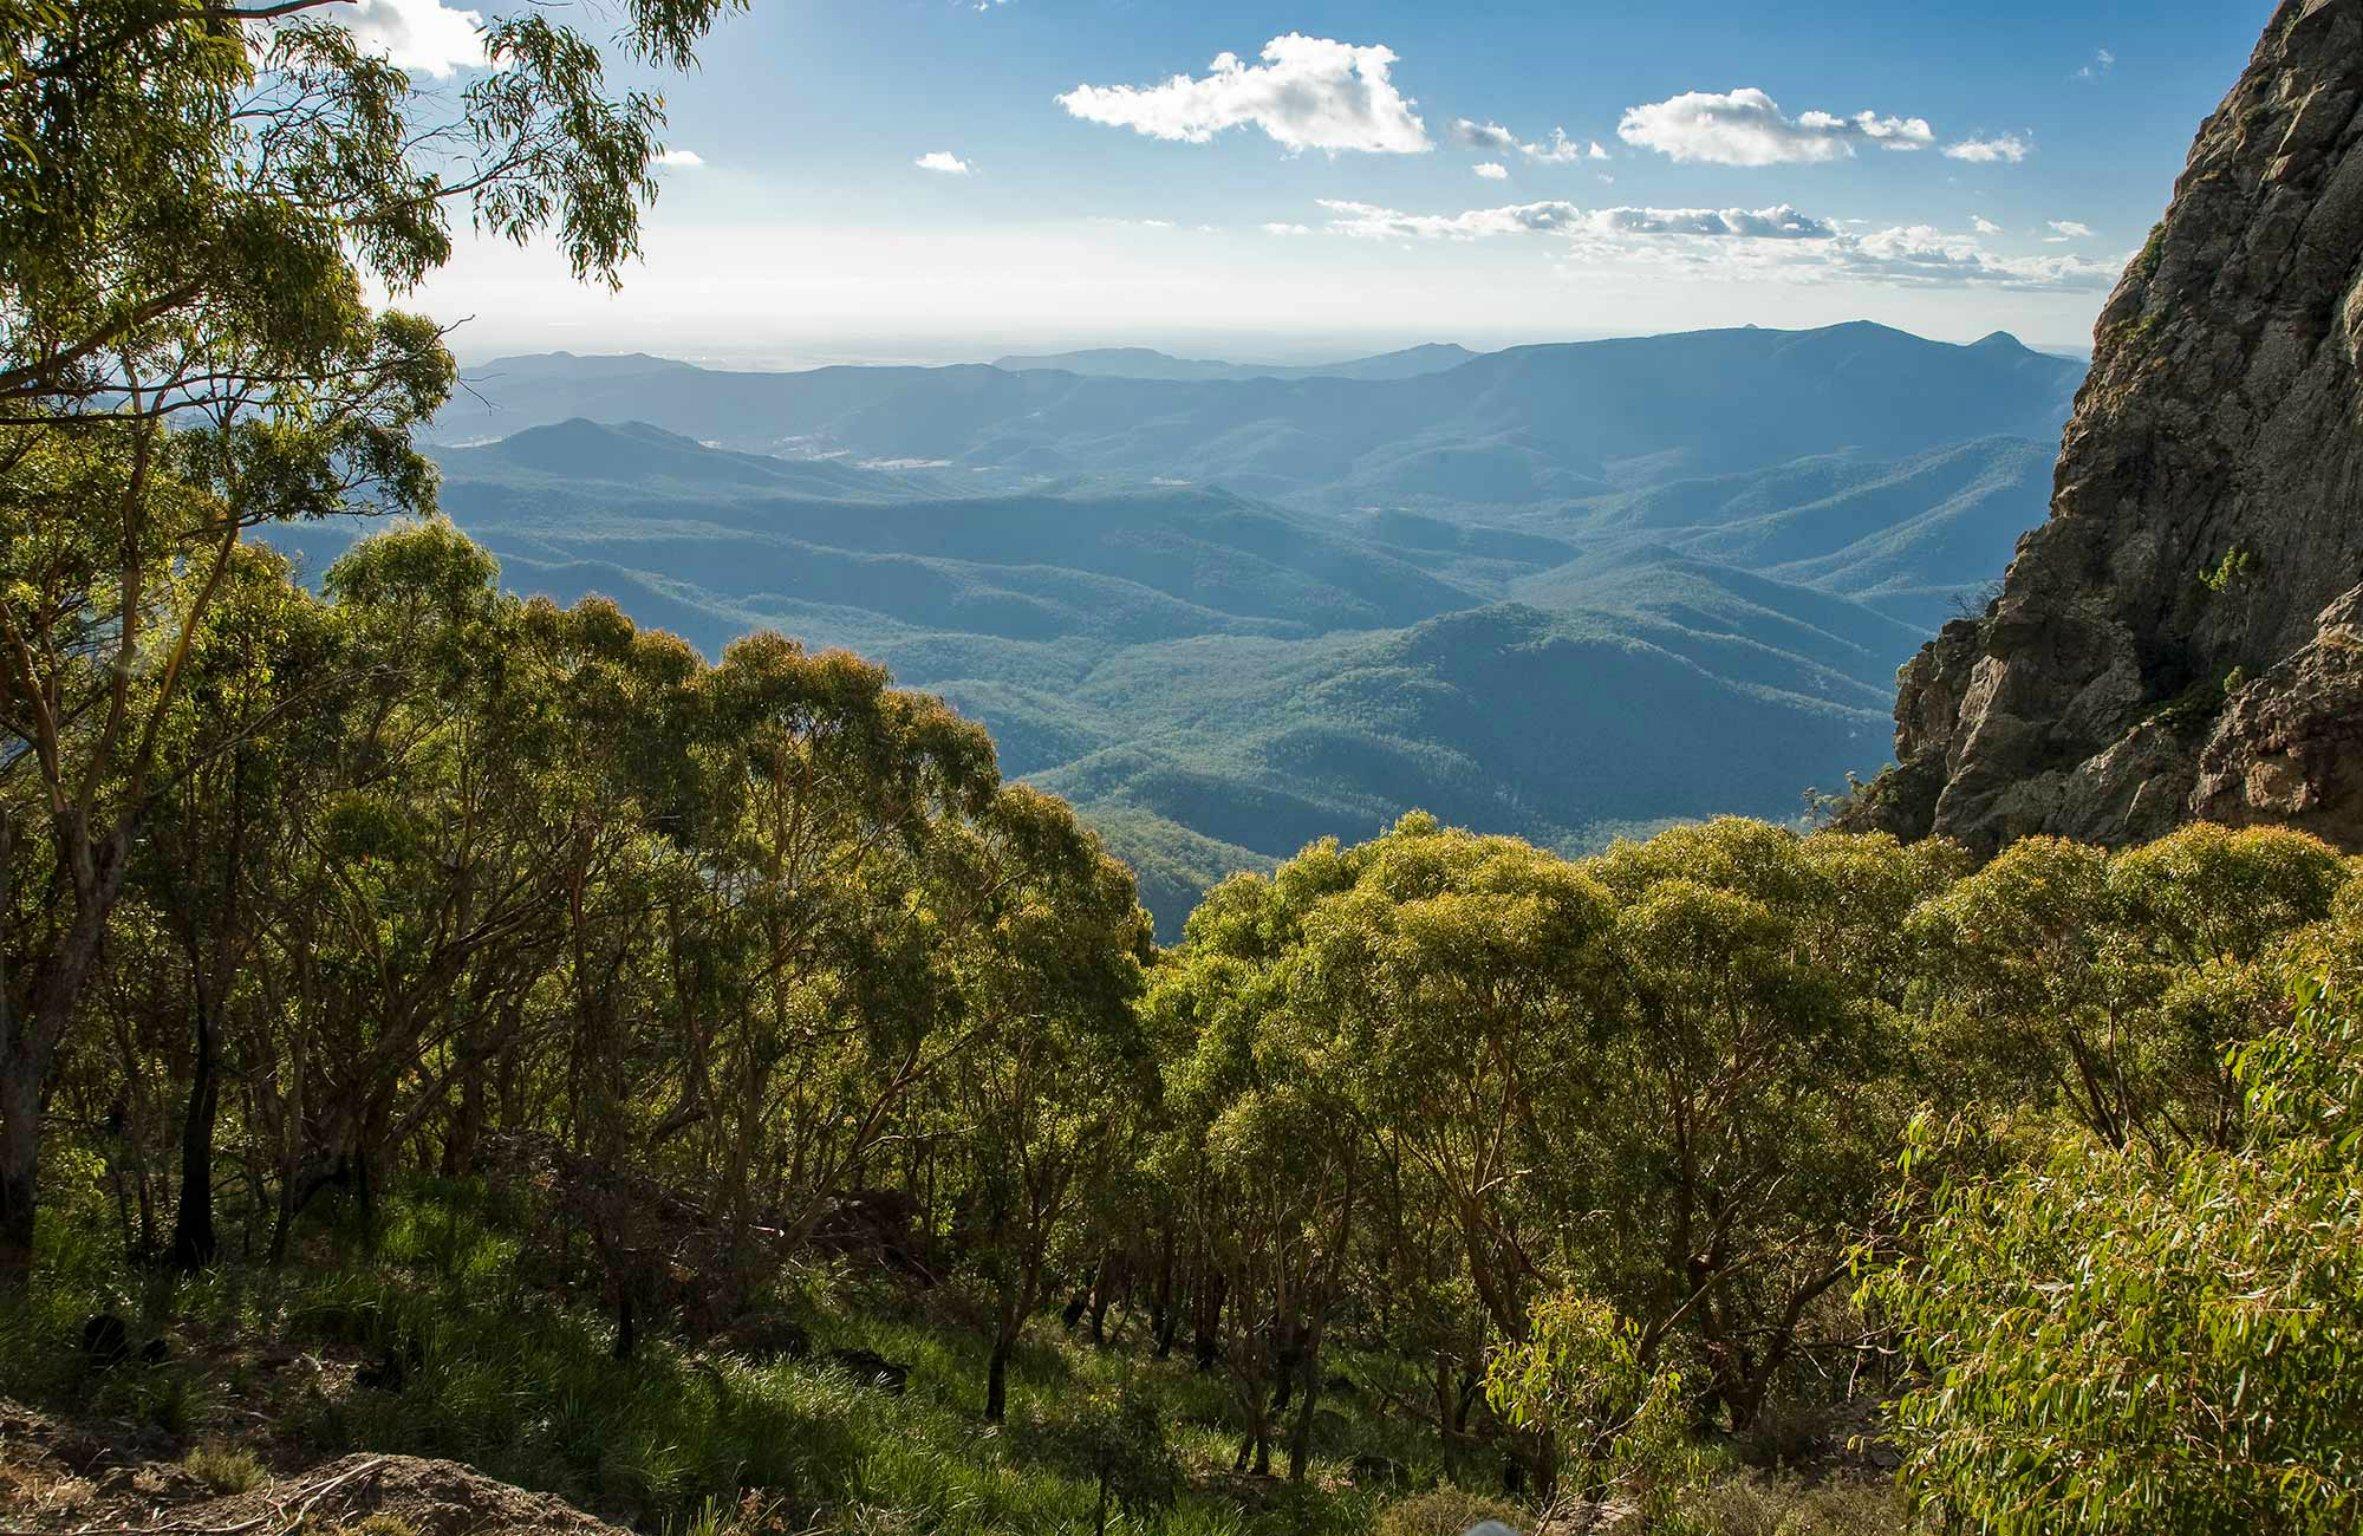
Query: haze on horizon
{"x": 946, "y": 180}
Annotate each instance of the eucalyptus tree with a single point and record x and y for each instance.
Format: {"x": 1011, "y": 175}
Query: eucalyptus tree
{"x": 2111, "y": 986}
{"x": 1456, "y": 976}
{"x": 423, "y": 900}
{"x": 264, "y": 681}
{"x": 1053, "y": 1072}
{"x": 201, "y": 197}
{"x": 1752, "y": 1087}
{"x": 1274, "y": 1163}
{"x": 820, "y": 791}
{"x": 2135, "y": 1337}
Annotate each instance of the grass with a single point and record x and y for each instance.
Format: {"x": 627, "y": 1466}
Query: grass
{"x": 224, "y": 1468}
{"x": 520, "y": 1383}
{"x": 505, "y": 1374}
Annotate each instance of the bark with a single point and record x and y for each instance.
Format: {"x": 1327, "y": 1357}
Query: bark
{"x": 997, "y": 1378}
{"x": 194, "y": 1245}
{"x": 29, "y": 1039}
{"x": 1300, "y": 1438}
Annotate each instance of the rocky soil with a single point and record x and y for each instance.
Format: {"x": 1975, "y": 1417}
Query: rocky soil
{"x": 59, "y": 1479}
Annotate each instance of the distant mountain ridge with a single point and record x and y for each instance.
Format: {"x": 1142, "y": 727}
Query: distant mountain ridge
{"x": 1146, "y": 363}
{"x": 1512, "y": 428}
{"x": 1561, "y": 591}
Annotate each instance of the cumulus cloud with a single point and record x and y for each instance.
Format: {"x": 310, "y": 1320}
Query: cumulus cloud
{"x": 1779, "y": 223}
{"x": 1370, "y": 221}
{"x": 1493, "y": 170}
{"x": 1494, "y": 139}
{"x": 1491, "y": 138}
{"x": 1288, "y": 229}
{"x": 2102, "y": 62}
{"x": 425, "y": 37}
{"x": 942, "y": 161}
{"x": 2069, "y": 229}
{"x": 1308, "y": 93}
{"x": 2002, "y": 148}
{"x": 684, "y": 159}
{"x": 1984, "y": 225}
{"x": 1922, "y": 256}
{"x": 1778, "y": 243}
{"x": 1747, "y": 127}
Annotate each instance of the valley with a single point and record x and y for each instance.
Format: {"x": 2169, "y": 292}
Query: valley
{"x": 1563, "y": 592}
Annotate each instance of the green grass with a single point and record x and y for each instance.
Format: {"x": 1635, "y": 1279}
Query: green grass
{"x": 518, "y": 1381}
{"x": 521, "y": 1384}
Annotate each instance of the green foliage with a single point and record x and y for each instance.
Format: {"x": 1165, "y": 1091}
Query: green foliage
{"x": 1118, "y": 1444}
{"x": 2153, "y": 249}
{"x": 2238, "y": 563}
{"x": 201, "y": 200}
{"x": 1443, "y": 1512}
{"x": 224, "y": 1468}
{"x": 1586, "y": 1379}
{"x": 2122, "y": 1339}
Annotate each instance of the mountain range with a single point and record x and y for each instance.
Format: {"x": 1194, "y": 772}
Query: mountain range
{"x": 1564, "y": 591}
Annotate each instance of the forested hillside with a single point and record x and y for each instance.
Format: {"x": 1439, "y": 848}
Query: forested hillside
{"x": 1215, "y": 679}
{"x": 463, "y": 1051}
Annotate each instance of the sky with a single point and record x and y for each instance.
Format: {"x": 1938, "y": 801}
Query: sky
{"x": 941, "y": 180}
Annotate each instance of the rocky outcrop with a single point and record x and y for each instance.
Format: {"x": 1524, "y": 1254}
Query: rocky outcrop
{"x": 2181, "y": 638}
{"x": 2288, "y": 747}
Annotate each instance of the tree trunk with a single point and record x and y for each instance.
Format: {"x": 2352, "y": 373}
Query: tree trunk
{"x": 1206, "y": 1340}
{"x": 997, "y": 1378}
{"x": 193, "y": 1242}
{"x": 1300, "y": 1438}
{"x": 627, "y": 1332}
{"x": 30, "y": 1035}
{"x": 1164, "y": 1323}
{"x": 20, "y": 1109}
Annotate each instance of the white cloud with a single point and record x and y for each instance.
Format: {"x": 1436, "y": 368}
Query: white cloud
{"x": 1747, "y": 127}
{"x": 1922, "y": 256}
{"x": 1561, "y": 150}
{"x": 1984, "y": 225}
{"x": 1778, "y": 242}
{"x": 1490, "y": 137}
{"x": 423, "y": 36}
{"x": 1493, "y": 138}
{"x": 2102, "y": 62}
{"x": 1369, "y": 221}
{"x": 684, "y": 159}
{"x": 1308, "y": 93}
{"x": 2063, "y": 230}
{"x": 943, "y": 161}
{"x": 2002, "y": 148}
{"x": 1493, "y": 170}
{"x": 1288, "y": 229}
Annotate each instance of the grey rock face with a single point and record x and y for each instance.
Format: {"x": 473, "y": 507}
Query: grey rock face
{"x": 2174, "y": 642}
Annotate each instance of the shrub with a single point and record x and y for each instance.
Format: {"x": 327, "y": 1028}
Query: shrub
{"x": 224, "y": 1468}
{"x": 1443, "y": 1512}
{"x": 2136, "y": 1342}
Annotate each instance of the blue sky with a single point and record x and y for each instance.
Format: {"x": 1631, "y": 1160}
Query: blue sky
{"x": 1950, "y": 167}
